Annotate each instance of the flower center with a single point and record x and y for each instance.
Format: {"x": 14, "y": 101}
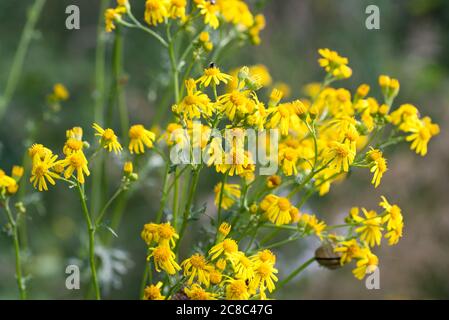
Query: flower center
{"x": 136, "y": 131}
{"x": 76, "y": 161}
{"x": 284, "y": 204}
{"x": 229, "y": 246}
{"x": 212, "y": 72}
{"x": 108, "y": 134}
{"x": 198, "y": 261}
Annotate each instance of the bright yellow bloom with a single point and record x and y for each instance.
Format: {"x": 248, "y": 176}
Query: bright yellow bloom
{"x": 167, "y": 235}
{"x": 76, "y": 162}
{"x": 235, "y": 104}
{"x": 311, "y": 222}
{"x": 215, "y": 277}
{"x": 209, "y": 10}
{"x": 195, "y": 103}
{"x": 177, "y": 9}
{"x": 378, "y": 165}
{"x": 37, "y": 150}
{"x": 138, "y": 137}
{"x": 60, "y": 92}
{"x": 231, "y": 193}
{"x": 243, "y": 266}
{"x": 340, "y": 156}
{"x": 349, "y": 249}
{"x": 7, "y": 184}
{"x": 214, "y": 76}
{"x": 128, "y": 168}
{"x": 276, "y": 209}
{"x": 150, "y": 233}
{"x": 108, "y": 139}
{"x": 164, "y": 259}
{"x": 111, "y": 15}
{"x": 155, "y": 12}
{"x": 367, "y": 263}
{"x": 370, "y": 231}
{"x": 42, "y": 171}
{"x": 264, "y": 277}
{"x": 288, "y": 158}
{"x": 273, "y": 181}
{"x": 75, "y": 133}
{"x": 17, "y": 172}
{"x": 405, "y": 116}
{"x": 195, "y": 292}
{"x": 237, "y": 290}
{"x": 72, "y": 145}
{"x": 393, "y": 217}
{"x": 284, "y": 116}
{"x": 263, "y": 256}
{"x": 153, "y": 292}
{"x": 224, "y": 229}
{"x": 228, "y": 247}
{"x": 334, "y": 64}
{"x": 421, "y": 133}
{"x": 196, "y": 267}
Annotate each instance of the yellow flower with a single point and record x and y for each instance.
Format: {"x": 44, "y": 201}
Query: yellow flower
{"x": 155, "y": 12}
{"x": 214, "y": 76}
{"x": 340, "y": 156}
{"x": 196, "y": 267}
{"x": 404, "y": 117}
{"x": 177, "y": 9}
{"x": 209, "y": 10}
{"x": 421, "y": 133}
{"x": 37, "y": 150}
{"x": 334, "y": 64}
{"x": 237, "y": 290}
{"x": 215, "y": 277}
{"x": 370, "y": 231}
{"x": 349, "y": 249}
{"x": 224, "y": 229}
{"x": 150, "y": 233}
{"x": 283, "y": 116}
{"x": 111, "y": 15}
{"x": 273, "y": 181}
{"x": 138, "y": 137}
{"x": 7, "y": 184}
{"x": 164, "y": 259}
{"x": 367, "y": 263}
{"x": 231, "y": 193}
{"x": 389, "y": 86}
{"x": 167, "y": 235}
{"x": 264, "y": 277}
{"x": 128, "y": 168}
{"x": 108, "y": 139}
{"x": 264, "y": 256}
{"x": 17, "y": 172}
{"x": 228, "y": 247}
{"x": 277, "y": 209}
{"x": 288, "y": 158}
{"x": 378, "y": 165}
{"x": 311, "y": 222}
{"x": 76, "y": 162}
{"x": 60, "y": 92}
{"x": 243, "y": 266}
{"x": 153, "y": 292}
{"x": 195, "y": 292}
{"x": 195, "y": 103}
{"x": 235, "y": 103}
{"x": 75, "y": 133}
{"x": 42, "y": 171}
{"x": 393, "y": 217}
{"x": 72, "y": 145}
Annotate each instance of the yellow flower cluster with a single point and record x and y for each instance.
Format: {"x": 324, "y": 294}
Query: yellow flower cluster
{"x": 9, "y": 184}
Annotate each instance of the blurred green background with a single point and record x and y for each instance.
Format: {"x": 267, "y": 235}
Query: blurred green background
{"x": 411, "y": 45}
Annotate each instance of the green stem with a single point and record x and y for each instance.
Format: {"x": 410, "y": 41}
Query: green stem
{"x": 107, "y": 205}
{"x": 149, "y": 31}
{"x": 118, "y": 75}
{"x": 223, "y": 183}
{"x": 17, "y": 64}
{"x": 91, "y": 233}
{"x": 175, "y": 200}
{"x": 294, "y": 273}
{"x": 174, "y": 65}
{"x": 15, "y": 233}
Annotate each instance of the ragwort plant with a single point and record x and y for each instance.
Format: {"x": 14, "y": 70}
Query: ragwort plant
{"x": 322, "y": 136}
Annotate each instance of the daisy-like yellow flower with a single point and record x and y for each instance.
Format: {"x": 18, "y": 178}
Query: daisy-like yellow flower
{"x": 155, "y": 12}
{"x": 349, "y": 249}
{"x": 76, "y": 162}
{"x": 108, "y": 139}
{"x": 235, "y": 103}
{"x": 283, "y": 116}
{"x": 164, "y": 259}
{"x": 340, "y": 156}
{"x": 42, "y": 171}
{"x": 153, "y": 292}
{"x": 378, "y": 165}
{"x": 140, "y": 137}
{"x": 393, "y": 217}
{"x": 243, "y": 266}
{"x": 366, "y": 264}
{"x": 263, "y": 256}
{"x": 209, "y": 10}
{"x": 195, "y": 103}
{"x": 276, "y": 209}
{"x": 334, "y": 64}
{"x": 237, "y": 290}
{"x": 228, "y": 247}
{"x": 177, "y": 9}
{"x": 195, "y": 292}
{"x": 231, "y": 193}
{"x": 421, "y": 133}
{"x": 311, "y": 222}
{"x": 167, "y": 235}
{"x": 404, "y": 117}
{"x": 196, "y": 267}
{"x": 38, "y": 150}
{"x": 72, "y": 145}
{"x": 214, "y": 76}
{"x": 75, "y": 133}
{"x": 370, "y": 231}
{"x": 264, "y": 277}
{"x": 111, "y": 15}
{"x": 150, "y": 233}
{"x": 288, "y": 158}
{"x": 215, "y": 277}
{"x": 7, "y": 184}
{"x": 236, "y": 162}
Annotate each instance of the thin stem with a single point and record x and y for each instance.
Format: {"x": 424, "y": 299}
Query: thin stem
{"x": 175, "y": 200}
{"x": 17, "y": 64}
{"x": 91, "y": 233}
{"x": 149, "y": 31}
{"x": 15, "y": 233}
{"x": 220, "y": 201}
{"x": 174, "y": 64}
{"x": 292, "y": 275}
{"x": 118, "y": 75}
{"x": 164, "y": 194}
{"x": 108, "y": 204}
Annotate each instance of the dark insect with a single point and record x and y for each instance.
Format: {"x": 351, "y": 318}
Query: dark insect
{"x": 212, "y": 65}
{"x": 212, "y": 1}
{"x": 326, "y": 256}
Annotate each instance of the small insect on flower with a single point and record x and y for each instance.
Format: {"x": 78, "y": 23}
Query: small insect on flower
{"x": 108, "y": 139}
{"x": 140, "y": 137}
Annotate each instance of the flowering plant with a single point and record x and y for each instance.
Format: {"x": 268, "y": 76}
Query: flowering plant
{"x": 219, "y": 123}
